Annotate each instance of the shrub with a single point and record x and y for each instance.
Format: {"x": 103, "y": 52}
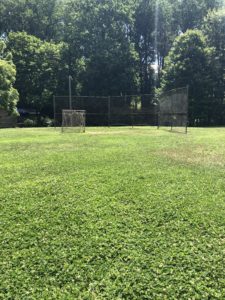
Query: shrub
{"x": 47, "y": 122}
{"x": 29, "y": 123}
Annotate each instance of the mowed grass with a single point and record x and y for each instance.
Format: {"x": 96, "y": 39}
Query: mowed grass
{"x": 114, "y": 213}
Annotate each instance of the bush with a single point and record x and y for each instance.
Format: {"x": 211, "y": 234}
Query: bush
{"x": 29, "y": 123}
{"x": 47, "y": 122}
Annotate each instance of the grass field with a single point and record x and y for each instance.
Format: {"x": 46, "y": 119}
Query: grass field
{"x": 114, "y": 213}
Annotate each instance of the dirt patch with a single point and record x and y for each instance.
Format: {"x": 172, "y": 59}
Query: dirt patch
{"x": 106, "y": 132}
{"x": 196, "y": 154}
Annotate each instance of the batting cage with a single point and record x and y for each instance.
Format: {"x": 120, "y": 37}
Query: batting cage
{"x": 135, "y": 110}
{"x": 173, "y": 110}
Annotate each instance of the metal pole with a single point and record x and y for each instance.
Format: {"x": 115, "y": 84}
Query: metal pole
{"x": 109, "y": 110}
{"x": 54, "y": 112}
{"x": 132, "y": 114}
{"x": 70, "y": 92}
{"x": 187, "y": 116}
{"x": 158, "y": 113}
{"x": 171, "y": 115}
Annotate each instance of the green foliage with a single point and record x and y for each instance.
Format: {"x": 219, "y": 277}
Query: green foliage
{"x": 188, "y": 51}
{"x": 144, "y": 43}
{"x": 29, "y": 123}
{"x": 47, "y": 122}
{"x": 214, "y": 29}
{"x": 154, "y": 33}
{"x": 8, "y": 94}
{"x": 188, "y": 64}
{"x": 112, "y": 214}
{"x": 99, "y": 32}
{"x": 38, "y": 64}
{"x": 190, "y": 14}
{"x": 40, "y": 18}
{"x": 109, "y": 47}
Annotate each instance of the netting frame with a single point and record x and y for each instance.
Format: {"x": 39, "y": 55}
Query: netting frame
{"x": 172, "y": 113}
{"x": 123, "y": 110}
{"x": 81, "y": 125}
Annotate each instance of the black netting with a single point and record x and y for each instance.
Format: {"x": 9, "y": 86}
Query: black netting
{"x": 73, "y": 119}
{"x": 109, "y": 111}
{"x": 173, "y": 109}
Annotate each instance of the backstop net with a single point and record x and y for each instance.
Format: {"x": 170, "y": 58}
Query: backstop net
{"x": 73, "y": 120}
{"x": 173, "y": 110}
{"x": 109, "y": 111}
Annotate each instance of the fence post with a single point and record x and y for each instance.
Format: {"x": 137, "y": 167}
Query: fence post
{"x": 187, "y": 116}
{"x": 171, "y": 114}
{"x": 158, "y": 119}
{"x": 132, "y": 113}
{"x": 54, "y": 112}
{"x": 109, "y": 111}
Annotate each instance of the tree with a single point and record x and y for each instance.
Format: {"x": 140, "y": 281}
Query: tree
{"x": 37, "y": 17}
{"x": 110, "y": 47}
{"x": 145, "y": 43}
{"x": 188, "y": 64}
{"x": 39, "y": 65}
{"x": 190, "y": 14}
{"x": 214, "y": 28}
{"x": 98, "y": 32}
{"x": 8, "y": 94}
{"x": 165, "y": 30}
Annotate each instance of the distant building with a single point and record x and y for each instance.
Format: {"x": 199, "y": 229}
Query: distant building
{"x": 6, "y": 120}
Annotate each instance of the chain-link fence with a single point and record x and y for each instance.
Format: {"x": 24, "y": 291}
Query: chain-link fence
{"x": 173, "y": 109}
{"x": 109, "y": 111}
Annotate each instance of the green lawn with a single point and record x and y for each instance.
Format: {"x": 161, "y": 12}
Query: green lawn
{"x": 114, "y": 213}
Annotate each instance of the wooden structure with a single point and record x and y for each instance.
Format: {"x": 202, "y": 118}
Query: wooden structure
{"x": 6, "y": 120}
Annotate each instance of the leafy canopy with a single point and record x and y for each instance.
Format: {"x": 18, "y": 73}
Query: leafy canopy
{"x": 8, "y": 94}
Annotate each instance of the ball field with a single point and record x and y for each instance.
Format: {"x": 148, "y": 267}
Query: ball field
{"x": 114, "y": 213}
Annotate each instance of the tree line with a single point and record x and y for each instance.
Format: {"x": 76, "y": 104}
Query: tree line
{"x": 111, "y": 48}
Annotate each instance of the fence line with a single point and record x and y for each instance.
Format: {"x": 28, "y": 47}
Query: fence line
{"x": 109, "y": 111}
